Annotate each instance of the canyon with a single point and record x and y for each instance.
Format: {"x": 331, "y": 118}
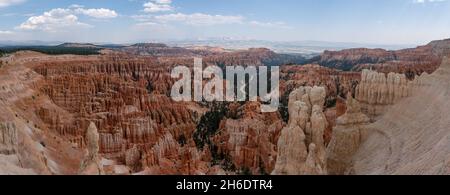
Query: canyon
{"x": 358, "y": 111}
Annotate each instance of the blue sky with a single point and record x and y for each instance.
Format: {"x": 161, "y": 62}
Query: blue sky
{"x": 126, "y": 21}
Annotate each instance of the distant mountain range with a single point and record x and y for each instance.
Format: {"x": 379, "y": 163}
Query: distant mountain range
{"x": 296, "y": 47}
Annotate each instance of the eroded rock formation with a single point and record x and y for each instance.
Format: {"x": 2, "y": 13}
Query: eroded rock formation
{"x": 25, "y": 146}
{"x": 337, "y": 82}
{"x": 250, "y": 140}
{"x": 412, "y": 62}
{"x": 301, "y": 149}
{"x": 48, "y": 103}
{"x": 377, "y": 90}
{"x": 412, "y": 136}
{"x": 91, "y": 162}
{"x": 346, "y": 137}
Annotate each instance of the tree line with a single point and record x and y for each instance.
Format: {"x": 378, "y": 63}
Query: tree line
{"x": 51, "y": 50}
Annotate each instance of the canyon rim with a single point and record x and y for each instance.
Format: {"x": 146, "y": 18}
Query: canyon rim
{"x": 171, "y": 87}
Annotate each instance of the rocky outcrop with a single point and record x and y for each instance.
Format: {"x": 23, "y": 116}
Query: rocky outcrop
{"x": 167, "y": 156}
{"x": 91, "y": 162}
{"x": 126, "y": 98}
{"x": 48, "y": 102}
{"x": 301, "y": 149}
{"x": 8, "y": 138}
{"x": 139, "y": 126}
{"x": 412, "y": 136}
{"x": 377, "y": 91}
{"x": 412, "y": 62}
{"x": 346, "y": 137}
{"x": 337, "y": 83}
{"x": 26, "y": 146}
{"x": 250, "y": 139}
{"x": 348, "y": 58}
{"x": 250, "y": 57}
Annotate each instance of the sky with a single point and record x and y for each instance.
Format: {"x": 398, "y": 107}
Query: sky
{"x": 127, "y": 21}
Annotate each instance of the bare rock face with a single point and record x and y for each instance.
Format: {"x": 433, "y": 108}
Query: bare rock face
{"x": 412, "y": 137}
{"x": 377, "y": 91}
{"x": 127, "y": 99}
{"x": 132, "y": 158}
{"x": 301, "y": 148}
{"x": 91, "y": 163}
{"x": 168, "y": 157}
{"x": 291, "y": 158}
{"x": 8, "y": 138}
{"x": 346, "y": 138}
{"x": 412, "y": 62}
{"x": 318, "y": 126}
{"x": 337, "y": 83}
{"x": 26, "y": 147}
{"x": 250, "y": 140}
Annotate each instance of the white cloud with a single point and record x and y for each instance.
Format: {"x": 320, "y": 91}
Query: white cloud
{"x": 158, "y": 6}
{"x": 97, "y": 13}
{"x": 194, "y": 19}
{"x": 60, "y": 18}
{"x": 5, "y": 32}
{"x": 199, "y": 19}
{"x": 6, "y": 3}
{"x": 52, "y": 20}
{"x": 428, "y": 1}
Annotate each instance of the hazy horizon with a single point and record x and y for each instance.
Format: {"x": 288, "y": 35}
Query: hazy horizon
{"x": 380, "y": 22}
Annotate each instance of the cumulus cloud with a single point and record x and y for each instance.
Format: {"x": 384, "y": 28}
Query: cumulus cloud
{"x": 97, "y": 13}
{"x": 61, "y": 18}
{"x": 158, "y": 6}
{"x": 52, "y": 20}
{"x": 201, "y": 19}
{"x": 193, "y": 19}
{"x": 6, "y": 3}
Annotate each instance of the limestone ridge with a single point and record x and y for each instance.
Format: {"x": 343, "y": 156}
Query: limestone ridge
{"x": 301, "y": 148}
{"x": 91, "y": 163}
{"x": 346, "y": 137}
